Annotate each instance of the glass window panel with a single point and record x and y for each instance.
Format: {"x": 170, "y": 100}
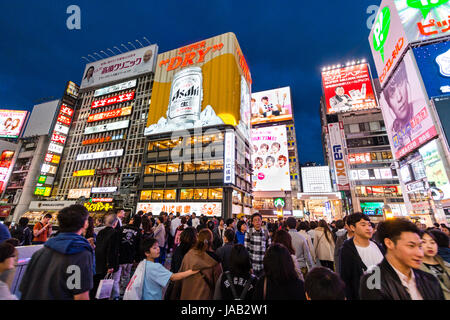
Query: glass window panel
{"x": 161, "y": 168}
{"x": 146, "y": 195}
{"x": 189, "y": 167}
{"x": 201, "y": 194}
{"x": 170, "y": 194}
{"x": 157, "y": 194}
{"x": 375, "y": 126}
{"x": 173, "y": 167}
{"x": 216, "y": 165}
{"x": 215, "y": 194}
{"x": 187, "y": 194}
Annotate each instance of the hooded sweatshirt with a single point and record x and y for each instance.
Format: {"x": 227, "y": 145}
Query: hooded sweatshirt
{"x": 60, "y": 270}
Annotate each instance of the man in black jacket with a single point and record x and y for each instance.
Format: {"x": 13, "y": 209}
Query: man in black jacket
{"x": 129, "y": 253}
{"x": 106, "y": 251}
{"x": 358, "y": 254}
{"x": 224, "y": 252}
{"x": 397, "y": 276}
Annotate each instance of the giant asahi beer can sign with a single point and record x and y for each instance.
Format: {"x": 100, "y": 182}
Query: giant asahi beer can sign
{"x": 186, "y": 95}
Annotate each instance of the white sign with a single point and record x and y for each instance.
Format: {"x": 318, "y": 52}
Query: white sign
{"x": 117, "y": 87}
{"x": 316, "y": 179}
{"x": 386, "y": 174}
{"x": 230, "y": 149}
{"x": 209, "y": 209}
{"x": 363, "y": 175}
{"x": 50, "y": 205}
{"x": 107, "y": 127}
{"x": 104, "y": 190}
{"x": 46, "y": 168}
{"x": 129, "y": 64}
{"x": 53, "y": 147}
{"x": 100, "y": 155}
{"x": 270, "y": 159}
{"x": 337, "y": 150}
{"x": 78, "y": 193}
{"x": 61, "y": 129}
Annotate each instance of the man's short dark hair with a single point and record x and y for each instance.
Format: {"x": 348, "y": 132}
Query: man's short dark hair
{"x": 23, "y": 222}
{"x": 353, "y": 219}
{"x": 72, "y": 219}
{"x": 323, "y": 284}
{"x": 229, "y": 222}
{"x": 291, "y": 223}
{"x": 229, "y": 234}
{"x": 240, "y": 263}
{"x": 256, "y": 214}
{"x": 393, "y": 229}
{"x": 442, "y": 239}
{"x": 7, "y": 251}
{"x": 147, "y": 244}
{"x": 48, "y": 215}
{"x": 340, "y": 224}
{"x": 303, "y": 225}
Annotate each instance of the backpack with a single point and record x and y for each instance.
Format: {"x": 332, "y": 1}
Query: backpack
{"x": 233, "y": 289}
{"x": 18, "y": 233}
{"x": 177, "y": 237}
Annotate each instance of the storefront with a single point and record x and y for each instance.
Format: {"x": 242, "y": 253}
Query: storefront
{"x": 38, "y": 209}
{"x": 327, "y": 206}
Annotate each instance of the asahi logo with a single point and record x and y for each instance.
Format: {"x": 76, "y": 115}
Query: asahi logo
{"x": 191, "y": 92}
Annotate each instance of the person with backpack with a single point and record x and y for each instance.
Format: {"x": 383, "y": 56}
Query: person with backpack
{"x": 224, "y": 252}
{"x": 238, "y": 283}
{"x": 179, "y": 230}
{"x": 22, "y": 232}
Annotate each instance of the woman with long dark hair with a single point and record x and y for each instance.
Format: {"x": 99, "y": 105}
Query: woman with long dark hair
{"x": 324, "y": 245}
{"x": 283, "y": 237}
{"x": 188, "y": 238}
{"x": 280, "y": 280}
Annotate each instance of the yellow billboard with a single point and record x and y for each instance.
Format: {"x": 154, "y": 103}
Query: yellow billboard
{"x": 204, "y": 84}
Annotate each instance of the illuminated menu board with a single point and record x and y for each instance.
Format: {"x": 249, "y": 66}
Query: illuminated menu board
{"x": 49, "y": 168}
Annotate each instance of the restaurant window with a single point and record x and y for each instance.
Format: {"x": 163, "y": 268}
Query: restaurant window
{"x": 200, "y": 194}
{"x": 157, "y": 194}
{"x": 170, "y": 194}
{"x": 189, "y": 167}
{"x": 171, "y": 168}
{"x": 201, "y": 166}
{"x": 186, "y": 194}
{"x": 151, "y": 146}
{"x": 146, "y": 195}
{"x": 216, "y": 165}
{"x": 215, "y": 194}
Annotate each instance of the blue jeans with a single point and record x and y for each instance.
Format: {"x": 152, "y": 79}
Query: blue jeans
{"x": 162, "y": 256}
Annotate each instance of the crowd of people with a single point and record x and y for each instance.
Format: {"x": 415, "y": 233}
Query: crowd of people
{"x": 250, "y": 258}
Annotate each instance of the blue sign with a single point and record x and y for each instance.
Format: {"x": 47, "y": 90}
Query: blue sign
{"x": 434, "y": 64}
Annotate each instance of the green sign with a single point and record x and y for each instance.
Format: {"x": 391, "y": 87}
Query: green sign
{"x": 279, "y": 202}
{"x": 425, "y": 6}
{"x": 372, "y": 208}
{"x": 381, "y": 30}
{"x": 42, "y": 179}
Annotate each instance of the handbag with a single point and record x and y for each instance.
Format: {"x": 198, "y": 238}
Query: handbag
{"x": 105, "y": 287}
{"x": 136, "y": 285}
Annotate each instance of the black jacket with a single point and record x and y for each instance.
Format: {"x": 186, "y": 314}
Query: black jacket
{"x": 393, "y": 289}
{"x": 224, "y": 254}
{"x": 129, "y": 244}
{"x": 351, "y": 268}
{"x": 107, "y": 250}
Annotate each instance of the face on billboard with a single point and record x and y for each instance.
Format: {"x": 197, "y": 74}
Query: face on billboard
{"x": 270, "y": 159}
{"x": 405, "y": 110}
{"x": 435, "y": 170}
{"x": 132, "y": 63}
{"x": 198, "y": 86}
{"x": 387, "y": 40}
{"x": 348, "y": 89}
{"x": 271, "y": 106}
{"x": 11, "y": 123}
{"x": 434, "y": 65}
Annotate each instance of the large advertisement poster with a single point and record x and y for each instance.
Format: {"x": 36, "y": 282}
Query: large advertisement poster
{"x": 405, "y": 110}
{"x": 129, "y": 64}
{"x": 204, "y": 84}
{"x": 271, "y": 106}
{"x": 6, "y": 159}
{"x": 435, "y": 171}
{"x": 336, "y": 133}
{"x": 348, "y": 89}
{"x": 11, "y": 123}
{"x": 434, "y": 64}
{"x": 387, "y": 40}
{"x": 208, "y": 209}
{"x": 270, "y": 159}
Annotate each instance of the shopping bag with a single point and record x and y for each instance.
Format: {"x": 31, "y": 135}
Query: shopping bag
{"x": 136, "y": 284}
{"x": 105, "y": 287}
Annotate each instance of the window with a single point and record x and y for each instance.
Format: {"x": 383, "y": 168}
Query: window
{"x": 375, "y": 126}
{"x": 146, "y": 195}
{"x": 171, "y": 168}
{"x": 186, "y": 194}
{"x": 354, "y": 128}
{"x": 189, "y": 167}
{"x": 157, "y": 194}
{"x": 201, "y": 166}
{"x": 170, "y": 194}
{"x": 200, "y": 194}
{"x": 215, "y": 194}
{"x": 216, "y": 165}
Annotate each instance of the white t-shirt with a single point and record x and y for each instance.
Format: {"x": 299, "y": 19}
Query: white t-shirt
{"x": 370, "y": 255}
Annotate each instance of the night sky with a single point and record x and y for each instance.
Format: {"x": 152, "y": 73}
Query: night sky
{"x": 286, "y": 43}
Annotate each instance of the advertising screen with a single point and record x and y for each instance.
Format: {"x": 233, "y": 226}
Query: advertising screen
{"x": 348, "y": 89}
{"x": 434, "y": 64}
{"x": 6, "y": 159}
{"x": 405, "y": 110}
{"x": 372, "y": 208}
{"x": 204, "y": 84}
{"x": 270, "y": 159}
{"x": 271, "y": 106}
{"x": 113, "y": 100}
{"x": 41, "y": 119}
{"x": 126, "y": 111}
{"x": 129, "y": 64}
{"x": 117, "y": 87}
{"x": 435, "y": 170}
{"x": 78, "y": 193}
{"x": 210, "y": 209}
{"x": 442, "y": 106}
{"x": 107, "y": 127}
{"x": 11, "y": 123}
{"x": 316, "y": 179}
{"x": 336, "y": 133}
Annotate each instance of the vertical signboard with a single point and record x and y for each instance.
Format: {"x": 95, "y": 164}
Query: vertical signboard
{"x": 229, "y": 176}
{"x": 52, "y": 159}
{"x": 6, "y": 159}
{"x": 335, "y": 131}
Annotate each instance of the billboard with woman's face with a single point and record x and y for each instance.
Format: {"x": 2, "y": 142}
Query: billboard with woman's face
{"x": 270, "y": 159}
{"x": 11, "y": 123}
{"x": 271, "y": 106}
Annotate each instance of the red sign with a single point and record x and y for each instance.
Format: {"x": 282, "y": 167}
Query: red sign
{"x": 96, "y": 141}
{"x": 359, "y": 158}
{"x": 5, "y": 211}
{"x": 66, "y": 110}
{"x": 109, "y": 114}
{"x": 107, "y": 171}
{"x": 58, "y": 138}
{"x": 53, "y": 158}
{"x": 113, "y": 100}
{"x": 64, "y": 120}
{"x": 102, "y": 199}
{"x": 348, "y": 89}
